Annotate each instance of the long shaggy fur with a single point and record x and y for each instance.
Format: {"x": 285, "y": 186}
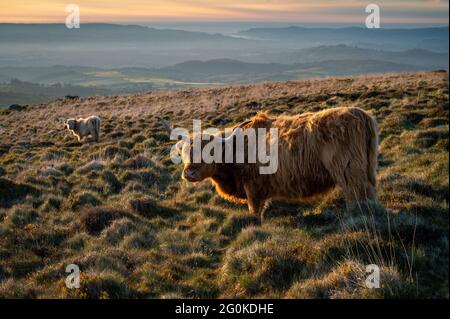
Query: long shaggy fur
{"x": 317, "y": 151}
{"x": 84, "y": 127}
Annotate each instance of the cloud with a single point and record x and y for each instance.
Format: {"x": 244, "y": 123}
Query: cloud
{"x": 301, "y": 11}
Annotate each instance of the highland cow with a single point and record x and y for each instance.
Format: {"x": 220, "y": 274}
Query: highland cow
{"x": 82, "y": 128}
{"x": 316, "y": 152}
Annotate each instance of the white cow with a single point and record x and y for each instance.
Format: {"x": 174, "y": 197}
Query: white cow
{"x": 84, "y": 127}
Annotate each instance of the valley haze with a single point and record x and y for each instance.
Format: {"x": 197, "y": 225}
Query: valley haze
{"x": 41, "y": 62}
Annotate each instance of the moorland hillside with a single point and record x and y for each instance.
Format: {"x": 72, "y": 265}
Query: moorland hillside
{"x": 120, "y": 210}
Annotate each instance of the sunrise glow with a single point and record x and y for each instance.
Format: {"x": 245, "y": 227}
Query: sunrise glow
{"x": 300, "y": 11}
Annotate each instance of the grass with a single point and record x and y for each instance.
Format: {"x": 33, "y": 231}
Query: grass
{"x": 120, "y": 210}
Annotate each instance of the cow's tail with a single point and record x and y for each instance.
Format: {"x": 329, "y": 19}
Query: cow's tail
{"x": 372, "y": 149}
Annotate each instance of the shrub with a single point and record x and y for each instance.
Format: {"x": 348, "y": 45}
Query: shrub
{"x": 139, "y": 138}
{"x": 112, "y": 151}
{"x": 203, "y": 197}
{"x": 148, "y": 177}
{"x": 105, "y": 260}
{"x": 11, "y": 192}
{"x": 114, "y": 185}
{"x": 23, "y": 215}
{"x": 250, "y": 235}
{"x": 262, "y": 266}
{"x": 96, "y": 219}
{"x": 105, "y": 285}
{"x": 91, "y": 167}
{"x": 347, "y": 280}
{"x": 118, "y": 229}
{"x": 148, "y": 207}
{"x": 3, "y": 274}
{"x": 66, "y": 168}
{"x": 126, "y": 144}
{"x": 433, "y": 122}
{"x": 50, "y": 171}
{"x": 52, "y": 202}
{"x": 83, "y": 199}
{"x": 200, "y": 286}
{"x": 116, "y": 134}
{"x": 24, "y": 264}
{"x": 139, "y": 162}
{"x": 236, "y": 222}
{"x": 16, "y": 289}
{"x": 140, "y": 240}
{"x": 78, "y": 241}
{"x": 266, "y": 262}
{"x": 55, "y": 154}
{"x": 150, "y": 142}
{"x": 136, "y": 187}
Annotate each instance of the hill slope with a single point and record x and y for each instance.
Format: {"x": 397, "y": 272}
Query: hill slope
{"x": 418, "y": 57}
{"x": 120, "y": 211}
{"x": 434, "y": 38}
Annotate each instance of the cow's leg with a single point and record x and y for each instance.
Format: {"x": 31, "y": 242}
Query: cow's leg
{"x": 76, "y": 135}
{"x": 357, "y": 176}
{"x": 349, "y": 171}
{"x": 257, "y": 207}
{"x": 357, "y": 188}
{"x": 94, "y": 135}
{"x": 256, "y": 204}
{"x": 95, "y": 131}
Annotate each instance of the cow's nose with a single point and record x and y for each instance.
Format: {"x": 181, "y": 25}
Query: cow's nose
{"x": 189, "y": 175}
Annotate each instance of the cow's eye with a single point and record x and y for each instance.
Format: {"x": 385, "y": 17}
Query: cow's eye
{"x": 194, "y": 167}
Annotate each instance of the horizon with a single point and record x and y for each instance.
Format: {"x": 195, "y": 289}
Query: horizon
{"x": 230, "y": 28}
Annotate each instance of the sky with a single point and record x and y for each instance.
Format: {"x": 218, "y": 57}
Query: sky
{"x": 351, "y": 12}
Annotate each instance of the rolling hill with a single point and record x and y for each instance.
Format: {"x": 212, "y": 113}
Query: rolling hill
{"x": 100, "y": 33}
{"x": 416, "y": 57}
{"x": 435, "y": 39}
{"x": 43, "y": 82}
{"x": 115, "y": 46}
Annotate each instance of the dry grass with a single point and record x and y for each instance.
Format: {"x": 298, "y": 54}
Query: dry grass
{"x": 120, "y": 211}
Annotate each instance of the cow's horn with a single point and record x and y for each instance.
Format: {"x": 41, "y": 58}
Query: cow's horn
{"x": 176, "y": 131}
{"x": 165, "y": 124}
{"x": 235, "y": 130}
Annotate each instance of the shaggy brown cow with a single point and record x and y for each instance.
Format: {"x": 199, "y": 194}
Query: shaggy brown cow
{"x": 316, "y": 152}
{"x": 84, "y": 127}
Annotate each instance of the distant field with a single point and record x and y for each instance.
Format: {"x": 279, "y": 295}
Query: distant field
{"x": 46, "y": 83}
{"x": 120, "y": 210}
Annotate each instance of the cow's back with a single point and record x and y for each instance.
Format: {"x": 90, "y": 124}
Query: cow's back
{"x": 303, "y": 144}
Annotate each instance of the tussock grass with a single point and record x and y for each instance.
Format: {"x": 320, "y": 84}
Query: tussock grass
{"x": 96, "y": 219}
{"x": 120, "y": 210}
